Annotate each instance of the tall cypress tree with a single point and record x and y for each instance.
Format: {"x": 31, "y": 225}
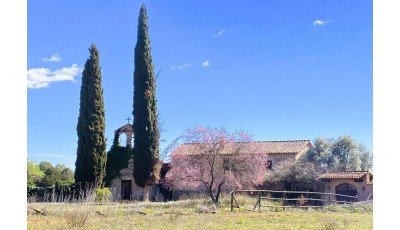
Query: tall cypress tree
{"x": 145, "y": 126}
{"x": 91, "y": 153}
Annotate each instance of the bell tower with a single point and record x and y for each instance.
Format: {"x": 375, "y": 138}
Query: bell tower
{"x": 128, "y": 131}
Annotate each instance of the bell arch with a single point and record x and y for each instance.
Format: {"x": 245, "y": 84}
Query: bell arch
{"x": 127, "y": 130}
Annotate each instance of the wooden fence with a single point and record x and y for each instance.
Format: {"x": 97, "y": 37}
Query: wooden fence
{"x": 297, "y": 199}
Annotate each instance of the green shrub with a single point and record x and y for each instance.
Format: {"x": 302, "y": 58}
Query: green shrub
{"x": 103, "y": 195}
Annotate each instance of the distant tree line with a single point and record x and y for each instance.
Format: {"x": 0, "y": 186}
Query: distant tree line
{"x": 44, "y": 178}
{"x": 342, "y": 154}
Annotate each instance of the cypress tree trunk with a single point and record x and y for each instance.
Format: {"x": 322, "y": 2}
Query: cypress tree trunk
{"x": 145, "y": 128}
{"x": 91, "y": 153}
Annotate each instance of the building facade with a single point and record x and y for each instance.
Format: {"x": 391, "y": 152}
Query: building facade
{"x": 351, "y": 183}
{"x": 274, "y": 152}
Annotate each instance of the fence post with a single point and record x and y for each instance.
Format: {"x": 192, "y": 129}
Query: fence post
{"x": 259, "y": 201}
{"x": 284, "y": 199}
{"x": 329, "y": 199}
{"x": 231, "y": 200}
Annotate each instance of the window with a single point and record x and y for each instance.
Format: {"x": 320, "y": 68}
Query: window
{"x": 228, "y": 165}
{"x": 225, "y": 164}
{"x": 269, "y": 164}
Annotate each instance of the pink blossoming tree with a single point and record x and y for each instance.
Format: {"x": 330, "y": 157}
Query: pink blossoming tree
{"x": 215, "y": 160}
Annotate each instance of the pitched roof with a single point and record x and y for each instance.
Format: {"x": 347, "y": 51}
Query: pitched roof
{"x": 344, "y": 175}
{"x": 265, "y": 147}
{"x": 125, "y": 128}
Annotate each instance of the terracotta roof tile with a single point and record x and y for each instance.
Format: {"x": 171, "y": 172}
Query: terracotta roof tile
{"x": 266, "y": 147}
{"x": 344, "y": 175}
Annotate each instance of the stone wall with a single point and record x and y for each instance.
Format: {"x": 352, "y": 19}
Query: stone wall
{"x": 276, "y": 158}
{"x": 137, "y": 192}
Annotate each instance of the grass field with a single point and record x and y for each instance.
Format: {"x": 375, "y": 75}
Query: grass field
{"x": 191, "y": 214}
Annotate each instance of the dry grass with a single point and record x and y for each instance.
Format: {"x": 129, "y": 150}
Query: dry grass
{"x": 77, "y": 218}
{"x": 188, "y": 214}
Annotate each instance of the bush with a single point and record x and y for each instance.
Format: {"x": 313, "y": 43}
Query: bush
{"x": 103, "y": 195}
{"x": 77, "y": 218}
{"x": 293, "y": 176}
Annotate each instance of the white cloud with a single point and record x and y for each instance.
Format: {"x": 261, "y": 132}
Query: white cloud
{"x": 219, "y": 33}
{"x": 42, "y": 77}
{"x": 53, "y": 58}
{"x": 321, "y": 22}
{"x": 206, "y": 63}
{"x": 181, "y": 66}
{"x": 48, "y": 155}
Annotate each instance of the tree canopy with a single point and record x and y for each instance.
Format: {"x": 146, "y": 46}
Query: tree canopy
{"x": 294, "y": 176}
{"x": 91, "y": 152}
{"x": 215, "y": 160}
{"x": 342, "y": 154}
{"x": 45, "y": 174}
{"x": 145, "y": 123}
{"x": 34, "y": 172}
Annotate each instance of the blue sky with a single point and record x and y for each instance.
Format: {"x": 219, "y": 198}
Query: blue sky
{"x": 275, "y": 69}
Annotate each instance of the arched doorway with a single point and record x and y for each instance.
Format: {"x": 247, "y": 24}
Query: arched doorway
{"x": 346, "y": 189}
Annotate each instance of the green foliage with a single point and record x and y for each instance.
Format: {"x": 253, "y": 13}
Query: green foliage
{"x": 320, "y": 154}
{"x": 117, "y": 159}
{"x": 345, "y": 150}
{"x": 45, "y": 176}
{"x": 145, "y": 124}
{"x": 45, "y": 165}
{"x": 103, "y": 195}
{"x": 293, "y": 175}
{"x": 91, "y": 157}
{"x": 35, "y": 174}
{"x": 65, "y": 184}
{"x": 365, "y": 159}
{"x": 53, "y": 175}
{"x": 342, "y": 154}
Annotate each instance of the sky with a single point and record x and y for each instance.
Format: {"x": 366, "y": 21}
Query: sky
{"x": 275, "y": 69}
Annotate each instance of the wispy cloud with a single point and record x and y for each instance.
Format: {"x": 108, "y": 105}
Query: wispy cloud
{"x": 205, "y": 63}
{"x": 321, "y": 22}
{"x": 219, "y": 33}
{"x": 53, "y": 58}
{"x": 179, "y": 67}
{"x": 48, "y": 155}
{"x": 42, "y": 77}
